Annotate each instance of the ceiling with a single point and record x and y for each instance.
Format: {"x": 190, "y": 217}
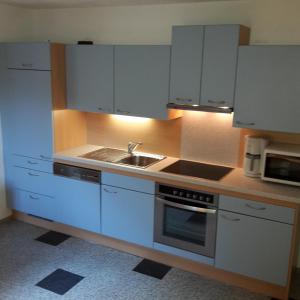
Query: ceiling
{"x": 89, "y": 3}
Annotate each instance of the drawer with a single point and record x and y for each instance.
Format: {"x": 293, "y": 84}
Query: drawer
{"x": 127, "y": 182}
{"x": 257, "y": 209}
{"x": 33, "y": 181}
{"x": 32, "y": 203}
{"x": 32, "y": 163}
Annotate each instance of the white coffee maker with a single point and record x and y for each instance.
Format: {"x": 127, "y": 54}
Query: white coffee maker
{"x": 254, "y": 148}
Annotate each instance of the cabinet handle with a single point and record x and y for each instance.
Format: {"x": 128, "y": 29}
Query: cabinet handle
{"x": 216, "y": 102}
{"x": 230, "y": 219}
{"x": 27, "y": 65}
{"x": 34, "y": 198}
{"x": 45, "y": 157}
{"x": 123, "y": 111}
{"x": 32, "y": 174}
{"x": 256, "y": 207}
{"x": 183, "y": 99}
{"x": 245, "y": 123}
{"x": 108, "y": 191}
{"x": 32, "y": 162}
{"x": 100, "y": 108}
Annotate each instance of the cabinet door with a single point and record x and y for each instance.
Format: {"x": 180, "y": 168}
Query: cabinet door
{"x": 90, "y": 78}
{"x": 142, "y": 80}
{"x": 127, "y": 215}
{"x": 29, "y": 56}
{"x": 78, "y": 203}
{"x": 253, "y": 247}
{"x": 27, "y": 115}
{"x": 186, "y": 64}
{"x": 268, "y": 89}
{"x": 219, "y": 65}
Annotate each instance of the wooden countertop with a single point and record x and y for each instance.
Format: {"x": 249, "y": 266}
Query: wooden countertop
{"x": 233, "y": 184}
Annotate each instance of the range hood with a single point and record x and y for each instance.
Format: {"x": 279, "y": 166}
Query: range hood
{"x": 215, "y": 109}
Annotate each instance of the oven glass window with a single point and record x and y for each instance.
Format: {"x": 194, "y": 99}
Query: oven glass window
{"x": 283, "y": 167}
{"x": 185, "y": 225}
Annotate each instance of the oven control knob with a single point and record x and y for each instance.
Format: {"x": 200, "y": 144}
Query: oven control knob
{"x": 181, "y": 194}
{"x": 175, "y": 192}
{"x": 201, "y": 198}
{"x": 195, "y": 196}
{"x": 208, "y": 199}
{"x": 188, "y": 195}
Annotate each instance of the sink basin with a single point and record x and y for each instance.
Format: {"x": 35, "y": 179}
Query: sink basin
{"x": 140, "y": 160}
{"x": 118, "y": 156}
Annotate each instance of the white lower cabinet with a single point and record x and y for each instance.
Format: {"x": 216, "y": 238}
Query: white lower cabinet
{"x": 127, "y": 215}
{"x": 253, "y": 247}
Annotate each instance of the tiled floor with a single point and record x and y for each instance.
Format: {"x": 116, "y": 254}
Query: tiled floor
{"x": 108, "y": 273}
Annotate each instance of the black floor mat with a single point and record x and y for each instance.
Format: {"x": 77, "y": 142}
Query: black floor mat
{"x": 60, "y": 281}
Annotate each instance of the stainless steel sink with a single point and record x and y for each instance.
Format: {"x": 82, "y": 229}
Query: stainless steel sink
{"x": 117, "y": 156}
{"x": 139, "y": 160}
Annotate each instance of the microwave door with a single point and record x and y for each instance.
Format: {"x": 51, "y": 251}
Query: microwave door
{"x": 282, "y": 167}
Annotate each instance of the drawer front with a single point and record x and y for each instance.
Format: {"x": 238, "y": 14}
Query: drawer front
{"x": 127, "y": 182}
{"x": 34, "y": 204}
{"x": 257, "y": 209}
{"x": 33, "y": 181}
{"x": 32, "y": 163}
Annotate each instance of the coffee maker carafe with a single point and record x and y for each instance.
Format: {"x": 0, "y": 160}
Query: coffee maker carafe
{"x": 254, "y": 147}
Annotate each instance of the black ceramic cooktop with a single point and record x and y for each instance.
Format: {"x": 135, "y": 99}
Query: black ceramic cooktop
{"x": 195, "y": 169}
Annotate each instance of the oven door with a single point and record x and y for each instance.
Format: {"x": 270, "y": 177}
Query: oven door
{"x": 282, "y": 168}
{"x": 181, "y": 224}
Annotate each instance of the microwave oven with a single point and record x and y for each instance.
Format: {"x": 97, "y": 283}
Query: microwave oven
{"x": 281, "y": 163}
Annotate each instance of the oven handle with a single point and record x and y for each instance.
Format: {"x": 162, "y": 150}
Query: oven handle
{"x": 187, "y": 207}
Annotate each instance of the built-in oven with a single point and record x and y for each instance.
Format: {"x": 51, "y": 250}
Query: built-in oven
{"x": 186, "y": 219}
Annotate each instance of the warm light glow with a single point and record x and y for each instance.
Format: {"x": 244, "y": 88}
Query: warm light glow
{"x": 195, "y": 105}
{"x": 130, "y": 119}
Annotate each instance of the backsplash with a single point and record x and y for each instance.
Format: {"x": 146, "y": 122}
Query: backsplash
{"x": 210, "y": 137}
{"x": 198, "y": 136}
{"x": 160, "y": 137}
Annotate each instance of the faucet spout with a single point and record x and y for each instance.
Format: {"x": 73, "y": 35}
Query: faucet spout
{"x": 132, "y": 146}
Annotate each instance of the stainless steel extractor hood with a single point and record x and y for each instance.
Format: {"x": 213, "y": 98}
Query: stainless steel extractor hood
{"x": 215, "y": 109}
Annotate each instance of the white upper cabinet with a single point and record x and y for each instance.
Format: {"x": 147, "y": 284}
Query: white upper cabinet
{"x": 186, "y": 64}
{"x": 90, "y": 77}
{"x": 268, "y": 89}
{"x": 203, "y": 64}
{"x": 142, "y": 81}
{"x": 28, "y": 56}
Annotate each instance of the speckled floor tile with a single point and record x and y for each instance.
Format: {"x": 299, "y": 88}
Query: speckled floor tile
{"x": 108, "y": 272}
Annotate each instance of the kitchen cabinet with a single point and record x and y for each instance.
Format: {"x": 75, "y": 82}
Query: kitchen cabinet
{"x": 126, "y": 214}
{"x": 268, "y": 90}
{"x": 203, "y": 64}
{"x": 186, "y": 64}
{"x": 253, "y": 246}
{"x": 142, "y": 80}
{"x": 27, "y": 114}
{"x": 90, "y": 84}
{"x": 28, "y": 56}
{"x": 78, "y": 203}
{"x": 31, "y": 92}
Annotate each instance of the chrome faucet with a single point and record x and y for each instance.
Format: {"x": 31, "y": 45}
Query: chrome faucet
{"x": 132, "y": 146}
